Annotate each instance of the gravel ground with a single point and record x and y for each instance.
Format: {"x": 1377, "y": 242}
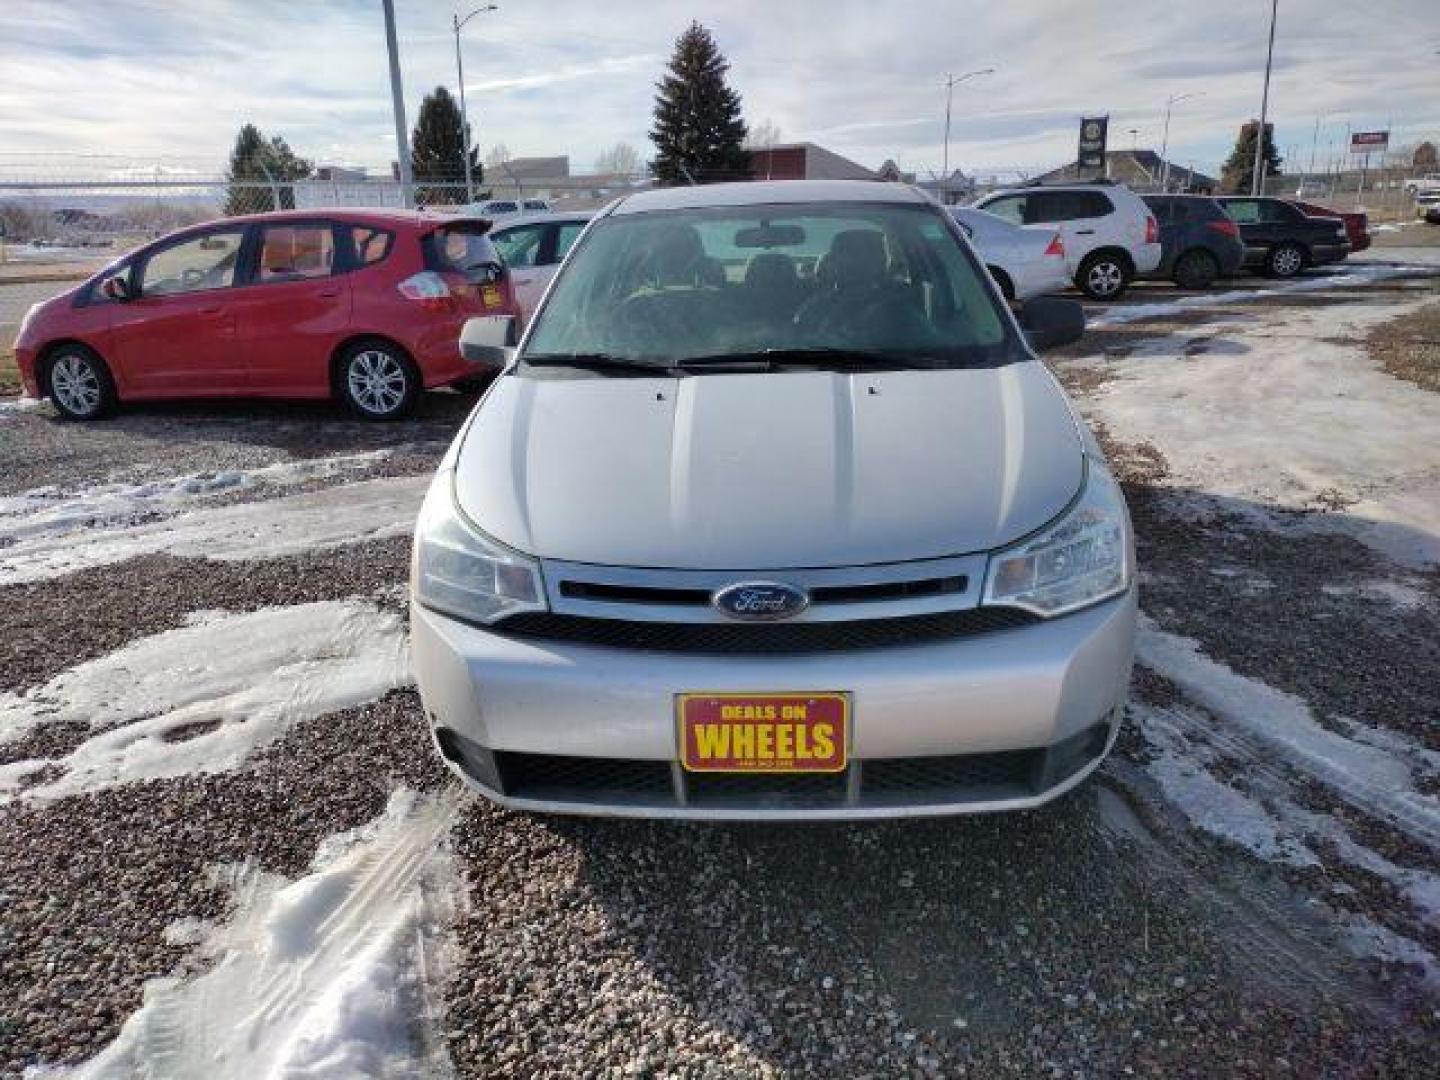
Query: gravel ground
{"x": 906, "y": 949}
{"x": 1099, "y": 936}
{"x": 161, "y": 441}
{"x": 89, "y": 884}
{"x": 1409, "y": 347}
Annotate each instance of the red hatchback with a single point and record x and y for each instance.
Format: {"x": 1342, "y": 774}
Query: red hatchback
{"x": 363, "y": 306}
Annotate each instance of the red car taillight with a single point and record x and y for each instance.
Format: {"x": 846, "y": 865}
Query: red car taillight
{"x": 1152, "y": 229}
{"x": 1226, "y": 226}
{"x": 428, "y": 289}
{"x": 1057, "y": 246}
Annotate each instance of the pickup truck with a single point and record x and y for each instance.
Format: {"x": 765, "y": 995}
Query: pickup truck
{"x": 1281, "y": 239}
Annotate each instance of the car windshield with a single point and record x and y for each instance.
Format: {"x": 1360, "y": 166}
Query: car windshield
{"x": 784, "y": 282}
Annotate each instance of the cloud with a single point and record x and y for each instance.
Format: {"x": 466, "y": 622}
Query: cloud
{"x": 154, "y": 79}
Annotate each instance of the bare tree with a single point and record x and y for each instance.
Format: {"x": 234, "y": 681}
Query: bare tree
{"x": 621, "y": 158}
{"x": 498, "y": 155}
{"x": 763, "y": 135}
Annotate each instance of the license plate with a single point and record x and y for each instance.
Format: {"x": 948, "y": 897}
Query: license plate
{"x": 763, "y": 733}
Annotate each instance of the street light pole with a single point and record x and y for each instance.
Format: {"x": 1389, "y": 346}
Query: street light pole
{"x": 397, "y": 99}
{"x": 1170, "y": 103}
{"x": 950, "y": 81}
{"x": 1258, "y": 177}
{"x": 458, "y": 23}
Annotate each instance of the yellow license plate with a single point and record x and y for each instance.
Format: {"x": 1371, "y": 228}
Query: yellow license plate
{"x": 763, "y": 733}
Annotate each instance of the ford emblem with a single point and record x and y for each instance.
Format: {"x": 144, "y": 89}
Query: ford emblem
{"x": 760, "y": 600}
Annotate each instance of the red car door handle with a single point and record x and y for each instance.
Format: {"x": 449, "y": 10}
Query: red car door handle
{"x": 211, "y": 310}
{"x": 329, "y": 293}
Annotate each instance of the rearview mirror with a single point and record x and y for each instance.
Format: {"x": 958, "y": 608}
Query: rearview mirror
{"x": 489, "y": 340}
{"x": 115, "y": 288}
{"x": 1049, "y": 321}
{"x": 768, "y": 236}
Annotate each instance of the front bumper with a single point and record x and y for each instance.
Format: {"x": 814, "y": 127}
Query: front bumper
{"x": 1003, "y": 720}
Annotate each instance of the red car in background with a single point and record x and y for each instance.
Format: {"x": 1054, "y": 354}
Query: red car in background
{"x": 1357, "y": 222}
{"x": 362, "y": 306}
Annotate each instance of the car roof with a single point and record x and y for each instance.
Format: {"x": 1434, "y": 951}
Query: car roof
{"x": 768, "y": 192}
{"x": 543, "y": 216}
{"x": 414, "y": 218}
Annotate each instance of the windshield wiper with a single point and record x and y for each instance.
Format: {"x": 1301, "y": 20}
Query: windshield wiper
{"x": 810, "y": 356}
{"x": 605, "y": 362}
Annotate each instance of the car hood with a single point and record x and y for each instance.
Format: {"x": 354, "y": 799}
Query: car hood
{"x": 769, "y": 471}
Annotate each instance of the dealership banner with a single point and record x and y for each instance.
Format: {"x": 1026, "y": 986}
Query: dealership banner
{"x": 1092, "y": 142}
{"x": 1366, "y": 142}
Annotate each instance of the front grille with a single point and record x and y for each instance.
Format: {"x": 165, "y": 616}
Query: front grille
{"x": 877, "y": 782}
{"x": 907, "y": 778}
{"x": 759, "y": 789}
{"x": 763, "y": 637}
{"x": 542, "y": 776}
{"x": 612, "y": 593}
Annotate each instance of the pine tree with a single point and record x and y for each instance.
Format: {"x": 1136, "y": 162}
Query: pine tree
{"x": 259, "y": 170}
{"x": 698, "y": 133}
{"x": 1239, "y": 168}
{"x": 437, "y": 152}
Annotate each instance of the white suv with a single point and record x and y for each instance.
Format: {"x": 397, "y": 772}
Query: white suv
{"x": 1110, "y": 236}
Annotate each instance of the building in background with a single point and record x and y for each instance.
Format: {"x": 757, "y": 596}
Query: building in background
{"x": 1141, "y": 170}
{"x": 804, "y": 161}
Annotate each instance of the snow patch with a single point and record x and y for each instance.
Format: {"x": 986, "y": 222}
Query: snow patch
{"x": 19, "y": 406}
{"x": 49, "y": 510}
{"x": 325, "y": 977}
{"x": 1209, "y": 804}
{"x": 289, "y": 525}
{"x": 1357, "y": 276}
{"x": 1289, "y": 413}
{"x": 202, "y": 697}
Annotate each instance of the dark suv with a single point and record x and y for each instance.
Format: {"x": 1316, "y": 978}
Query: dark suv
{"x": 1199, "y": 242}
{"x": 1281, "y": 239}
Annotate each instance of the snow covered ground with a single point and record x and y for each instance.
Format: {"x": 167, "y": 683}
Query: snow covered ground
{"x": 318, "y": 978}
{"x": 1285, "y": 411}
{"x": 290, "y": 525}
{"x": 201, "y": 698}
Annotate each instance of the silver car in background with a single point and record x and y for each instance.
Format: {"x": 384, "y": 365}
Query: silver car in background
{"x": 773, "y": 514}
{"x": 1026, "y": 261}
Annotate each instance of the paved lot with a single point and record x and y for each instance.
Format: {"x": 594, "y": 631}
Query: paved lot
{"x": 215, "y": 782}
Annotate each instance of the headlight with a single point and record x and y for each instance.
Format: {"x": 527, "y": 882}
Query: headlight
{"x": 1079, "y": 560}
{"x": 459, "y": 571}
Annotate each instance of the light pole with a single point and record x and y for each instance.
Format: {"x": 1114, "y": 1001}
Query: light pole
{"x": 458, "y": 23}
{"x": 950, "y": 81}
{"x": 1258, "y": 177}
{"x": 397, "y": 99}
{"x": 1170, "y": 103}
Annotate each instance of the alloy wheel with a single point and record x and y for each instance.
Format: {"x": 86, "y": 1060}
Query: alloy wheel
{"x": 1105, "y": 278}
{"x": 377, "y": 381}
{"x": 75, "y": 384}
{"x": 1287, "y": 262}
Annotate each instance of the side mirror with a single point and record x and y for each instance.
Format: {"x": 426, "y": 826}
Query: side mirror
{"x": 489, "y": 340}
{"x": 115, "y": 288}
{"x": 1049, "y": 321}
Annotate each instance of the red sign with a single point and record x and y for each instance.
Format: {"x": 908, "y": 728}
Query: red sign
{"x": 1363, "y": 142}
{"x": 762, "y": 733}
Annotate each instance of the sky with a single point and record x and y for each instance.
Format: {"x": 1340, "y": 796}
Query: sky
{"x": 170, "y": 81}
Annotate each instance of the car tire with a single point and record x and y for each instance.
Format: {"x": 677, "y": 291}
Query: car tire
{"x": 1285, "y": 260}
{"x": 1103, "y": 276}
{"x": 79, "y": 383}
{"x": 1196, "y": 269}
{"x": 377, "y": 380}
